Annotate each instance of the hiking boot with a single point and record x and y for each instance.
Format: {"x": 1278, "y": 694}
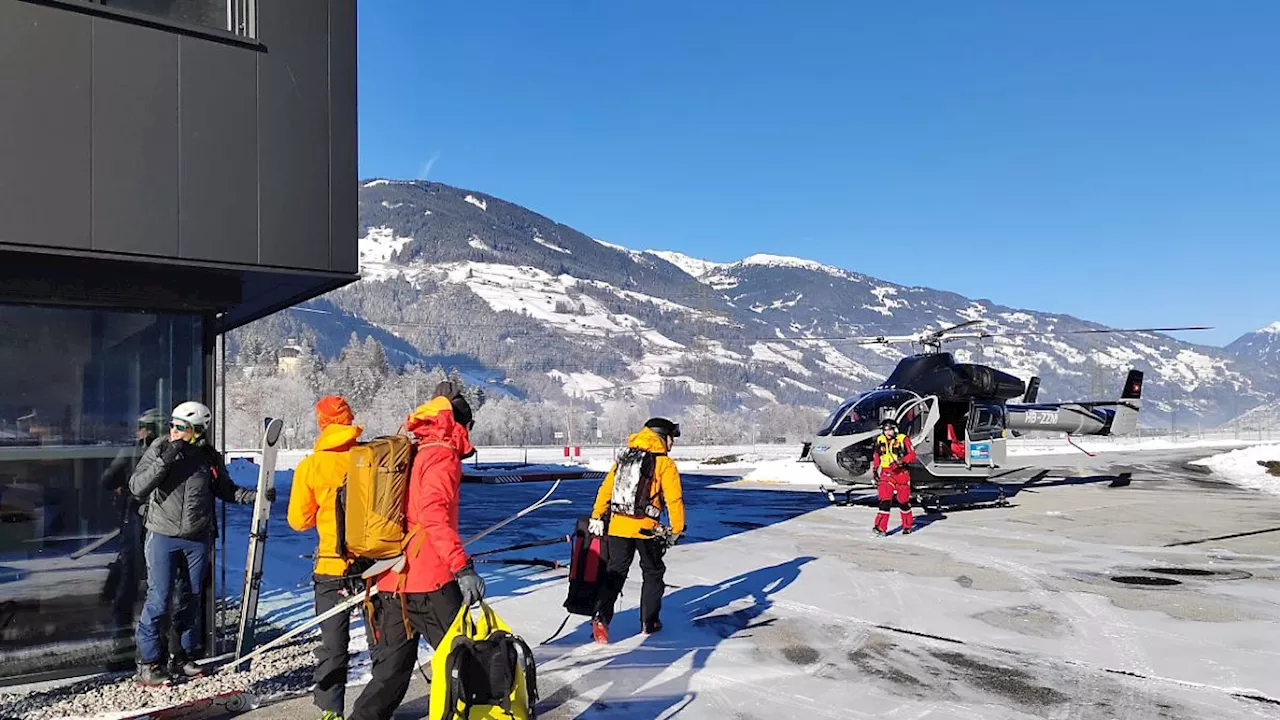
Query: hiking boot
{"x": 180, "y": 666}
{"x": 906, "y": 530}
{"x": 652, "y": 627}
{"x": 153, "y": 675}
{"x": 599, "y": 632}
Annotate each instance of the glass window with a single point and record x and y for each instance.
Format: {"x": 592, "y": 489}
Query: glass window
{"x": 80, "y": 392}
{"x": 987, "y": 422}
{"x": 870, "y": 409}
{"x": 231, "y": 15}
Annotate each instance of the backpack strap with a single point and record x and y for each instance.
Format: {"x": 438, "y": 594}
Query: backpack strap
{"x": 530, "y": 672}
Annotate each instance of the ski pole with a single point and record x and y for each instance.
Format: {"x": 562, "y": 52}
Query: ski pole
{"x": 553, "y": 564}
{"x": 523, "y": 546}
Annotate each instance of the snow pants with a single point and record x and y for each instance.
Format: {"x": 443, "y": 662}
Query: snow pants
{"x": 330, "y": 677}
{"x": 622, "y": 551}
{"x": 395, "y": 652}
{"x": 168, "y": 557}
{"x": 894, "y": 486}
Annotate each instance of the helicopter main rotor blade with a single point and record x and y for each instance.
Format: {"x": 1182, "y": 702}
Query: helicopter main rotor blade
{"x": 1098, "y": 331}
{"x": 871, "y": 340}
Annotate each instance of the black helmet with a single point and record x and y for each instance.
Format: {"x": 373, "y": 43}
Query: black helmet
{"x": 888, "y": 423}
{"x": 663, "y": 427}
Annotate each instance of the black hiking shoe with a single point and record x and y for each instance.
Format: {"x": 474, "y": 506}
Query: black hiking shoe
{"x": 652, "y": 627}
{"x": 153, "y": 675}
{"x": 180, "y": 667}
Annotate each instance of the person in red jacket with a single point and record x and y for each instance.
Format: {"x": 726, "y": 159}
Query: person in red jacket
{"x": 438, "y": 576}
{"x": 893, "y": 480}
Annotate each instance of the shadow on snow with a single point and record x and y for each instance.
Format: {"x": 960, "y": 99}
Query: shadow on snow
{"x": 640, "y": 683}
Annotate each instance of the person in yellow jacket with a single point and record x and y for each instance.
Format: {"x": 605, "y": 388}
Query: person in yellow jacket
{"x": 312, "y": 504}
{"x": 640, "y": 485}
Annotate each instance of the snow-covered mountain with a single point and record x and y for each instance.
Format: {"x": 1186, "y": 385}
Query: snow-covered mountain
{"x": 1261, "y": 346}
{"x": 549, "y": 311}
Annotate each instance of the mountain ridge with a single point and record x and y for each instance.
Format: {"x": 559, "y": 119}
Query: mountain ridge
{"x": 553, "y": 312}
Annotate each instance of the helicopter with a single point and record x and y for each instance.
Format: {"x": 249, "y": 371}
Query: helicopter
{"x": 958, "y": 417}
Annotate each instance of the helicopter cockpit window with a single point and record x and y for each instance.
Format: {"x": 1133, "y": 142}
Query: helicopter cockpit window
{"x": 866, "y": 414}
{"x": 834, "y": 417}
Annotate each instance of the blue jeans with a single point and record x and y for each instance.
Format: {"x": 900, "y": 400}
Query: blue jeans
{"x": 167, "y": 557}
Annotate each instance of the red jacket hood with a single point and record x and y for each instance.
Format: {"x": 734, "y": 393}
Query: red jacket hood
{"x": 433, "y": 422}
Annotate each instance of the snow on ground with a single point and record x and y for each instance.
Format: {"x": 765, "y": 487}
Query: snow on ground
{"x": 1242, "y": 468}
{"x": 594, "y": 454}
{"x": 482, "y": 204}
{"x": 550, "y": 245}
{"x": 690, "y": 265}
{"x": 376, "y": 250}
{"x": 780, "y": 354}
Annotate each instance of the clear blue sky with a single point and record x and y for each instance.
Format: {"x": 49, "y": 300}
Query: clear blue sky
{"x": 1118, "y": 161}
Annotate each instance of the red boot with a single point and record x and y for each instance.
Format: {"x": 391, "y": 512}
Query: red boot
{"x": 882, "y": 523}
{"x": 599, "y": 632}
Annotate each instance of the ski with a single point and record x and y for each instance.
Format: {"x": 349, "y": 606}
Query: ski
{"x": 217, "y": 706}
{"x": 540, "y": 503}
{"x": 94, "y": 545}
{"x": 257, "y": 539}
{"x": 374, "y": 571}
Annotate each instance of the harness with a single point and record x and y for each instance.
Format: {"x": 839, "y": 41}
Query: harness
{"x": 891, "y": 451}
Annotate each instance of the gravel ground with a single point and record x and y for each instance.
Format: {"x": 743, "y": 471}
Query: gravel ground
{"x": 281, "y": 672}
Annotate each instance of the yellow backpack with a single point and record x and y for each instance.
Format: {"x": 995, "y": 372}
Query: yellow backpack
{"x": 372, "y": 501}
{"x": 482, "y": 671}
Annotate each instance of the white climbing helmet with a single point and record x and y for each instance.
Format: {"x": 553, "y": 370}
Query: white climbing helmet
{"x": 193, "y": 413}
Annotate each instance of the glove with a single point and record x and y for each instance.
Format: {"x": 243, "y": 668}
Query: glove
{"x": 270, "y": 494}
{"x": 596, "y": 526}
{"x": 173, "y": 451}
{"x": 471, "y": 584}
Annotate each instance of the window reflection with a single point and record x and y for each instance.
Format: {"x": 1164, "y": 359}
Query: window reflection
{"x": 205, "y": 13}
{"x": 80, "y": 393}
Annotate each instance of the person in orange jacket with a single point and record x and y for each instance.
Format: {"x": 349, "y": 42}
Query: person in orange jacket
{"x": 438, "y": 577}
{"x": 312, "y": 504}
{"x": 633, "y": 495}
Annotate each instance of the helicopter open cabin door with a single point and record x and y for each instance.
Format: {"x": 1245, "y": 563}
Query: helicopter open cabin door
{"x": 984, "y": 436}
{"x": 917, "y": 419}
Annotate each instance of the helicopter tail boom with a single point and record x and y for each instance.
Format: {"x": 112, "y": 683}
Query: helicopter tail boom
{"x": 1110, "y": 417}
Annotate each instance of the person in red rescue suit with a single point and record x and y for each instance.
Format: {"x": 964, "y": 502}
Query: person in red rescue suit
{"x": 893, "y": 481}
{"x": 438, "y": 576}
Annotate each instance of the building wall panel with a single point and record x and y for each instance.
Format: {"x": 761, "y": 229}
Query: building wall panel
{"x": 135, "y": 139}
{"x": 44, "y": 126}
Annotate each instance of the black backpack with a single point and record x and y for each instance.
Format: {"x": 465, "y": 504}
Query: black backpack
{"x": 482, "y": 675}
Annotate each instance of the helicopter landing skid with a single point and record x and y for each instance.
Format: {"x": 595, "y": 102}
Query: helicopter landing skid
{"x": 831, "y": 495}
{"x": 933, "y": 502}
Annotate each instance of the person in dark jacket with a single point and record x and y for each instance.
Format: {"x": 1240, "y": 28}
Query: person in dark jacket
{"x": 177, "y": 480}
{"x": 126, "y": 572}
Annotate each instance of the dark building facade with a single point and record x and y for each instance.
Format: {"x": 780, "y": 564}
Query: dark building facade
{"x": 169, "y": 170}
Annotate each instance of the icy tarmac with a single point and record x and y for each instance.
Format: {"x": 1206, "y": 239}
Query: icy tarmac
{"x": 1079, "y": 600}
{"x": 993, "y": 612}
